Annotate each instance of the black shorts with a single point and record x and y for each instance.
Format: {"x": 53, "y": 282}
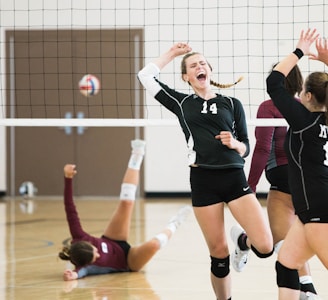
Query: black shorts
{"x": 314, "y": 216}
{"x": 123, "y": 244}
{"x": 278, "y": 179}
{"x": 211, "y": 186}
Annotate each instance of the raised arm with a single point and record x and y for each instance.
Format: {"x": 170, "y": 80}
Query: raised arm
{"x": 176, "y": 50}
{"x": 302, "y": 48}
{"x": 70, "y": 209}
{"x": 148, "y": 74}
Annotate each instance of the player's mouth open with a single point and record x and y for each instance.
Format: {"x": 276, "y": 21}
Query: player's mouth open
{"x": 201, "y": 77}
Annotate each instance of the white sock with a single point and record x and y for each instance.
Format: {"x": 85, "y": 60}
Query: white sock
{"x": 179, "y": 218}
{"x": 162, "y": 238}
{"x": 172, "y": 227}
{"x": 137, "y": 154}
{"x": 306, "y": 279}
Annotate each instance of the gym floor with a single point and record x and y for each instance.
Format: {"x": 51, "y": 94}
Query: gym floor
{"x": 34, "y": 231}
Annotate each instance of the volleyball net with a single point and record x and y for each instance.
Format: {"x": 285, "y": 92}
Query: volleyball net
{"x": 48, "y": 46}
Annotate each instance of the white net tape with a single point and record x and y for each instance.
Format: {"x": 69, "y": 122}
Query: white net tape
{"x": 119, "y": 122}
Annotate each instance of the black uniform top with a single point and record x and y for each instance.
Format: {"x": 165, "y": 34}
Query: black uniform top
{"x": 306, "y": 145}
{"x": 201, "y": 120}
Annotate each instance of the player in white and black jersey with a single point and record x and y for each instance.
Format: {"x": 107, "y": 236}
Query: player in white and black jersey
{"x": 216, "y": 134}
{"x": 306, "y": 146}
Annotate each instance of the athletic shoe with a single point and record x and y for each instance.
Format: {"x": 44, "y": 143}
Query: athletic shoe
{"x": 309, "y": 296}
{"x": 138, "y": 146}
{"x": 238, "y": 257}
{"x": 180, "y": 217}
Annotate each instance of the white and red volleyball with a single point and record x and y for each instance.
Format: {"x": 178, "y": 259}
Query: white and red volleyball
{"x": 89, "y": 85}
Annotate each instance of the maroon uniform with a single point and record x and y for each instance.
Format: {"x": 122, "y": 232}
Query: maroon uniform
{"x": 269, "y": 149}
{"x": 112, "y": 256}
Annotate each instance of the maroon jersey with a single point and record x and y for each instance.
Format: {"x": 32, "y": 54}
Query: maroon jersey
{"x": 112, "y": 256}
{"x": 269, "y": 149}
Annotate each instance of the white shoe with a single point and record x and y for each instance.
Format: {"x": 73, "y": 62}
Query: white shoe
{"x": 309, "y": 296}
{"x": 181, "y": 216}
{"x": 138, "y": 146}
{"x": 238, "y": 257}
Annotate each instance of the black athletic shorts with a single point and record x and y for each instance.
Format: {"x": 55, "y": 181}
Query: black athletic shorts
{"x": 210, "y": 186}
{"x": 278, "y": 179}
{"x": 314, "y": 216}
{"x": 123, "y": 244}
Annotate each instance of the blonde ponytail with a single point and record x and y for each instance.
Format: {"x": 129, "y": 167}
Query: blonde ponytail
{"x": 225, "y": 86}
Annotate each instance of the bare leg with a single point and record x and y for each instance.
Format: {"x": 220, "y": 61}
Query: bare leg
{"x": 119, "y": 225}
{"x": 139, "y": 255}
{"x": 211, "y": 221}
{"x": 294, "y": 252}
{"x": 281, "y": 214}
{"x": 257, "y": 228}
{"x": 281, "y": 217}
{"x": 221, "y": 286}
{"x": 289, "y": 294}
{"x": 316, "y": 235}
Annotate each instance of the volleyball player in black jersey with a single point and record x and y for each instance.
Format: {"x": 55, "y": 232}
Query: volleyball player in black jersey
{"x": 216, "y": 134}
{"x": 306, "y": 146}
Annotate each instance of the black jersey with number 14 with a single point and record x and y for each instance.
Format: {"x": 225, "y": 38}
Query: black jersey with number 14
{"x": 201, "y": 120}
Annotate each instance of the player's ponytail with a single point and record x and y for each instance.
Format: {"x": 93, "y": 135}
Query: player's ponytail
{"x": 65, "y": 253}
{"x": 79, "y": 253}
{"x": 227, "y": 85}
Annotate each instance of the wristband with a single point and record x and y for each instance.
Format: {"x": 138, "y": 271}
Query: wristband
{"x": 299, "y": 53}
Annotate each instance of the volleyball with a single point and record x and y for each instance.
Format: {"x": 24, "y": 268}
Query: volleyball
{"x": 89, "y": 85}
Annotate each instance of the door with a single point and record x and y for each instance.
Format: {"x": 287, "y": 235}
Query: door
{"x": 46, "y": 66}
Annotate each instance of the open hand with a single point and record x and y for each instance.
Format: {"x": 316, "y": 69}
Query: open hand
{"x": 306, "y": 40}
{"x": 322, "y": 49}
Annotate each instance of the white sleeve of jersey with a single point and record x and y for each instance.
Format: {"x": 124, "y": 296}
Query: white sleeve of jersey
{"x": 147, "y": 78}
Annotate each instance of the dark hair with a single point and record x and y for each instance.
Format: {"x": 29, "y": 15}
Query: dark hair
{"x": 79, "y": 253}
{"x": 293, "y": 81}
{"x": 317, "y": 84}
{"x": 219, "y": 85}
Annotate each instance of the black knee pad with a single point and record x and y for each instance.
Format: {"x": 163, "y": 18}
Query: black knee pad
{"x": 220, "y": 267}
{"x": 287, "y": 278}
{"x": 261, "y": 255}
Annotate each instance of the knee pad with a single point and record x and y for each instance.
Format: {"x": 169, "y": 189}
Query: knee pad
{"x": 287, "y": 278}
{"x": 220, "y": 266}
{"x": 128, "y": 191}
{"x": 261, "y": 255}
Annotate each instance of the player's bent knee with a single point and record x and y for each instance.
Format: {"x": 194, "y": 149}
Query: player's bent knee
{"x": 220, "y": 267}
{"x": 262, "y": 255}
{"x": 287, "y": 278}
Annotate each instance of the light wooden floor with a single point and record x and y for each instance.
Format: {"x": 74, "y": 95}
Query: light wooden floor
{"x": 30, "y": 269}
